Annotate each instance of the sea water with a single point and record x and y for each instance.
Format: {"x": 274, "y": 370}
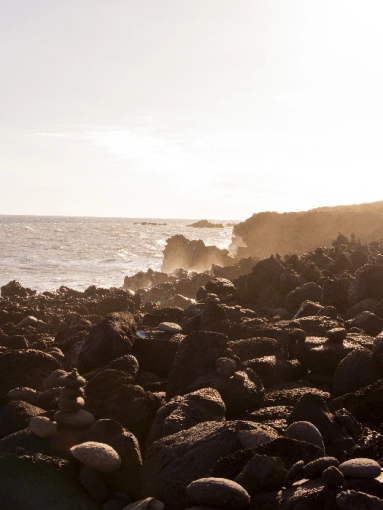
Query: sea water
{"x": 45, "y": 252}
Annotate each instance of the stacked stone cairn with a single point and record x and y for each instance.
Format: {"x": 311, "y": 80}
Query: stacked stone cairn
{"x": 71, "y": 413}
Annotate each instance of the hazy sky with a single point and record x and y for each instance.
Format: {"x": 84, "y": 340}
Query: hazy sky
{"x": 189, "y": 108}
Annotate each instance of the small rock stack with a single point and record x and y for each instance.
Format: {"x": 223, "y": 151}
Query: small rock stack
{"x": 71, "y": 403}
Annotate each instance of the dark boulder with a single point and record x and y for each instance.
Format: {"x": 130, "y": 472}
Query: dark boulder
{"x": 111, "y": 338}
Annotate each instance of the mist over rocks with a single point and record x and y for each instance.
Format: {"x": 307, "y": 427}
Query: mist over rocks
{"x": 269, "y": 366}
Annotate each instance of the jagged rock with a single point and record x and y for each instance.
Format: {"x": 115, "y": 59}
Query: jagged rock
{"x": 187, "y": 456}
{"x": 262, "y": 473}
{"x": 368, "y": 321}
{"x": 313, "y": 408}
{"x": 182, "y": 413}
{"x": 357, "y": 369}
{"x": 252, "y": 348}
{"x": 16, "y": 415}
{"x": 156, "y": 352}
{"x": 24, "y": 368}
{"x": 112, "y": 338}
{"x": 128, "y": 477}
{"x": 196, "y": 356}
{"x": 272, "y": 370}
{"x": 364, "y": 404}
{"x": 306, "y": 292}
{"x": 40, "y": 481}
{"x": 110, "y": 395}
{"x": 322, "y": 355}
{"x": 241, "y": 393}
{"x": 357, "y": 500}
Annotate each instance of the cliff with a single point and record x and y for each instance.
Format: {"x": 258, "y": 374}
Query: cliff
{"x": 268, "y": 233}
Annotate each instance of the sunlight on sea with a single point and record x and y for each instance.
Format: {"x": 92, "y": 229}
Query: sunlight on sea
{"x": 43, "y": 252}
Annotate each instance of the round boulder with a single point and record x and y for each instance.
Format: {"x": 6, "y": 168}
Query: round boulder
{"x": 98, "y": 456}
{"x": 225, "y": 494}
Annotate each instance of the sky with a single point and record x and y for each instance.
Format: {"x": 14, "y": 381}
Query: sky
{"x": 211, "y": 109}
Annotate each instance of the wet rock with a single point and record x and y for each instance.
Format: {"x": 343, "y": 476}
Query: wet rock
{"x": 218, "y": 492}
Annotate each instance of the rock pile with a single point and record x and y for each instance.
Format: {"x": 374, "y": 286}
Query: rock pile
{"x": 261, "y": 390}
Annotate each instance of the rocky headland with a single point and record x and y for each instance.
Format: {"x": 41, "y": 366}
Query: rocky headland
{"x": 256, "y": 384}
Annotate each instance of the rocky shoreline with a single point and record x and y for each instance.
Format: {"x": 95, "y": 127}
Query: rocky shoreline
{"x": 255, "y": 386}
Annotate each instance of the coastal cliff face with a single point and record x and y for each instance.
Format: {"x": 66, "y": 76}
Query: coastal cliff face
{"x": 268, "y": 233}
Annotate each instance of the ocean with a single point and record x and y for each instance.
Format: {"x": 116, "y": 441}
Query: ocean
{"x": 45, "y": 252}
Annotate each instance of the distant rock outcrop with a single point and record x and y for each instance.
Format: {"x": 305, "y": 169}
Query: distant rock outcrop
{"x": 192, "y": 255}
{"x": 205, "y": 224}
{"x": 269, "y": 233}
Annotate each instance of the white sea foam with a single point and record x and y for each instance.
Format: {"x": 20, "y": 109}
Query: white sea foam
{"x": 44, "y": 252}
